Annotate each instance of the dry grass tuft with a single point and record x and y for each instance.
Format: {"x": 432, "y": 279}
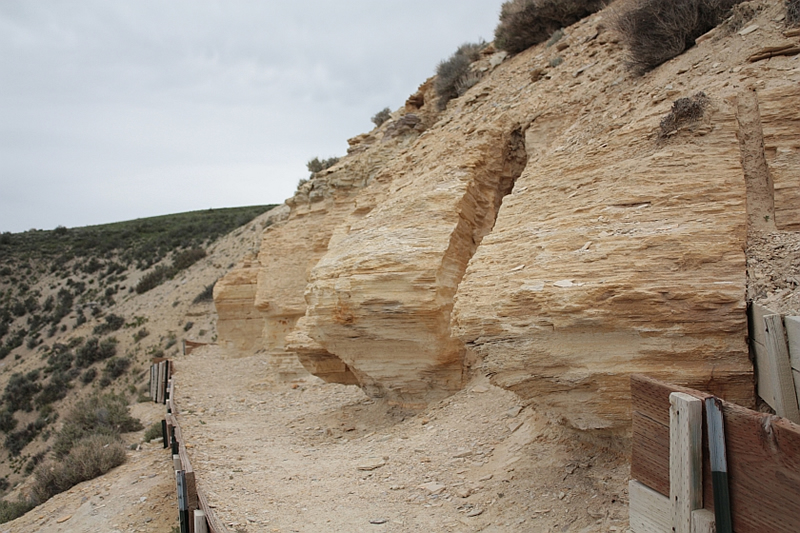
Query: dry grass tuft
{"x": 684, "y": 111}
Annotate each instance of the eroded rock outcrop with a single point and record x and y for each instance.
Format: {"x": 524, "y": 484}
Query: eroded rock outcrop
{"x": 620, "y": 249}
{"x": 260, "y": 301}
{"x": 543, "y": 230}
{"x": 380, "y": 298}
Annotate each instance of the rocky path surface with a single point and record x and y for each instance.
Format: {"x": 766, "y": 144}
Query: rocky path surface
{"x": 315, "y": 457}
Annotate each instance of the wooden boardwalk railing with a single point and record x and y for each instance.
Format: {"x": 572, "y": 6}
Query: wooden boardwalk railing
{"x": 196, "y": 516}
{"x": 763, "y": 460}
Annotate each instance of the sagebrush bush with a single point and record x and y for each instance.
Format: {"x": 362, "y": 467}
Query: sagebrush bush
{"x": 112, "y": 323}
{"x": 153, "y": 432}
{"x": 91, "y": 457}
{"x": 792, "y": 12}
{"x": 11, "y": 510}
{"x": 89, "y": 376}
{"x": 207, "y": 295}
{"x": 524, "y": 23}
{"x": 20, "y": 390}
{"x": 452, "y": 73}
{"x": 106, "y": 414}
{"x": 162, "y": 273}
{"x": 318, "y": 165}
{"x": 655, "y": 31}
{"x": 187, "y": 258}
{"x": 94, "y": 350}
{"x": 382, "y": 116}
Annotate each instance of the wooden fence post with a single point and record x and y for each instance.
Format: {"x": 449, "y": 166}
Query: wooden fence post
{"x": 717, "y": 455}
{"x": 685, "y": 459}
{"x": 200, "y": 525}
{"x": 703, "y": 521}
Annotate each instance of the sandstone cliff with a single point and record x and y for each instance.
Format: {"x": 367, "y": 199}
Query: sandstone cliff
{"x": 543, "y": 229}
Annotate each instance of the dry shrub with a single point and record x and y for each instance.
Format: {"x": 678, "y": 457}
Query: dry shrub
{"x": 792, "y": 12}
{"x": 524, "y": 23}
{"x": 381, "y": 116}
{"x": 454, "y": 76}
{"x": 90, "y": 458}
{"x": 105, "y": 415}
{"x": 684, "y": 111}
{"x": 11, "y": 510}
{"x": 655, "y": 31}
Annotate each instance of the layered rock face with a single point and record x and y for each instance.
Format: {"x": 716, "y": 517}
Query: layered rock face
{"x": 780, "y": 119}
{"x": 545, "y": 229}
{"x": 620, "y": 249}
{"x": 380, "y": 298}
{"x": 632, "y": 262}
{"x": 240, "y": 325}
{"x": 260, "y": 301}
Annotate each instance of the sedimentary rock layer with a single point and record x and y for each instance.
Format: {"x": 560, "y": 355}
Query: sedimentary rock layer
{"x": 780, "y": 120}
{"x": 631, "y": 261}
{"x": 380, "y": 299}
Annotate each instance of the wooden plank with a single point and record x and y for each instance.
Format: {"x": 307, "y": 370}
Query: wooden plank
{"x": 796, "y": 374}
{"x": 703, "y": 521}
{"x": 780, "y": 370}
{"x": 649, "y": 510}
{"x": 757, "y": 314}
{"x": 685, "y": 459}
{"x": 152, "y": 384}
{"x": 191, "y": 496}
{"x": 758, "y": 341}
{"x": 792, "y": 324}
{"x": 763, "y": 462}
{"x": 214, "y": 524}
{"x": 651, "y": 397}
{"x": 763, "y": 471}
{"x": 650, "y": 453}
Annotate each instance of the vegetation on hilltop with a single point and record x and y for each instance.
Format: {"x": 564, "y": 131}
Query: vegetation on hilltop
{"x": 143, "y": 241}
{"x": 454, "y": 76}
{"x": 655, "y": 31}
{"x": 524, "y": 23}
{"x": 103, "y": 254}
{"x": 51, "y": 284}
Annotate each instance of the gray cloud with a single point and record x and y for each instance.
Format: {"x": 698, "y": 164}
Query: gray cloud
{"x": 113, "y": 110}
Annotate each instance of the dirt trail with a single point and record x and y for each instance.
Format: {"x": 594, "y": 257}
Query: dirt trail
{"x": 317, "y": 457}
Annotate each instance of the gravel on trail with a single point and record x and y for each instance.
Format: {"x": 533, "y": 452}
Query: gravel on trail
{"x": 308, "y": 456}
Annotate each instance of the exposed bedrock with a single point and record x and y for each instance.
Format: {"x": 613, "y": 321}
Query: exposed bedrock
{"x": 381, "y": 297}
{"x": 261, "y": 300}
{"x": 632, "y": 261}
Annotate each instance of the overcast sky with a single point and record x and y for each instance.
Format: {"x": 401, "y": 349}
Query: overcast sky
{"x": 114, "y": 110}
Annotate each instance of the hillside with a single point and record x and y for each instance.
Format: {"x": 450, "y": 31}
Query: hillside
{"x": 436, "y": 332}
{"x": 76, "y": 317}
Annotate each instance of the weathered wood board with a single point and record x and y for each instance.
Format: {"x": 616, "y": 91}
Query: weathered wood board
{"x": 650, "y": 511}
{"x": 763, "y": 458}
{"x": 779, "y": 369}
{"x": 775, "y": 382}
{"x": 685, "y": 459}
{"x": 758, "y": 340}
